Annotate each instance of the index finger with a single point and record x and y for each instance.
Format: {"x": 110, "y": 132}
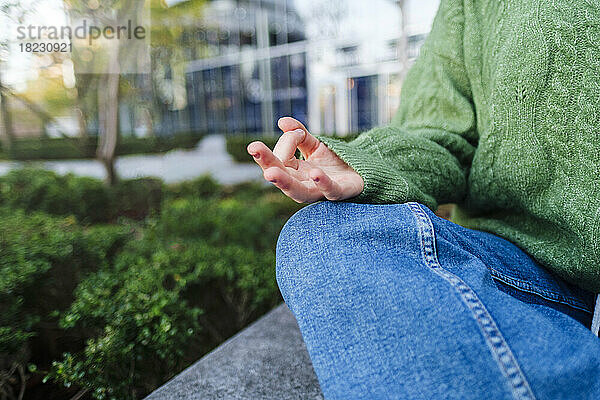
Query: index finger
{"x": 306, "y": 146}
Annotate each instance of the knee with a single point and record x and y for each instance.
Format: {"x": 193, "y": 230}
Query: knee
{"x": 309, "y": 224}
{"x": 321, "y": 242}
{"x": 299, "y": 243}
{"x": 308, "y": 241}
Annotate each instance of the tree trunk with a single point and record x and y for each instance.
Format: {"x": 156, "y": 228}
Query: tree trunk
{"x": 147, "y": 121}
{"x": 108, "y": 116}
{"x": 81, "y": 122}
{"x": 6, "y": 134}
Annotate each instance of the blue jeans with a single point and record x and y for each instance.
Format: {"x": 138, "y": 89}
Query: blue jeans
{"x": 394, "y": 302}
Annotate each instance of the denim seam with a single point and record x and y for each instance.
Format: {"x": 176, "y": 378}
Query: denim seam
{"x": 524, "y": 286}
{"x": 500, "y": 350}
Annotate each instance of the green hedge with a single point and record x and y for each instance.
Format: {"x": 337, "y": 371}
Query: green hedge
{"x": 80, "y": 148}
{"x": 88, "y": 199}
{"x": 236, "y": 145}
{"x": 117, "y": 309}
{"x": 42, "y": 260}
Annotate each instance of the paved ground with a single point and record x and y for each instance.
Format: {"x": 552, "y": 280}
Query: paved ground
{"x": 266, "y": 361}
{"x": 210, "y": 157}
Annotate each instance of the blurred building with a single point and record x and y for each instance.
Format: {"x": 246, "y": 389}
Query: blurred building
{"x": 255, "y": 70}
{"x": 258, "y": 65}
{"x": 354, "y": 86}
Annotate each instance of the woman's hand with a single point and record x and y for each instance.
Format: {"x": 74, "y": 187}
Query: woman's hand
{"x": 321, "y": 175}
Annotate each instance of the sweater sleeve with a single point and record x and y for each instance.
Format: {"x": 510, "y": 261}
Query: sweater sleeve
{"x": 426, "y": 152}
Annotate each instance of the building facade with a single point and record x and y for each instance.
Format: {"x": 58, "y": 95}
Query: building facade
{"x": 259, "y": 65}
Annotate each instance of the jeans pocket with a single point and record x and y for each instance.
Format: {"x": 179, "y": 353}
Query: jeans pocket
{"x": 566, "y": 300}
{"x": 513, "y": 267}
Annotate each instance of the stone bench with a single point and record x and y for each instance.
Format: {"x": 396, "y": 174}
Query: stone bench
{"x": 267, "y": 360}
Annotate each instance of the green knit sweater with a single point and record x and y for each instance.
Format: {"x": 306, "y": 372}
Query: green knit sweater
{"x": 501, "y": 115}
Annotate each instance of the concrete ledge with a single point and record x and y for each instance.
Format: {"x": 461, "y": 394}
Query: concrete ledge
{"x": 267, "y": 360}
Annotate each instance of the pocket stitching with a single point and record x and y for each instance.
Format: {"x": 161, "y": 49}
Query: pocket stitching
{"x": 547, "y": 295}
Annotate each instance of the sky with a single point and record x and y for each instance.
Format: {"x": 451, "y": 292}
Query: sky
{"x": 20, "y": 67}
{"x": 362, "y": 19}
{"x": 377, "y": 17}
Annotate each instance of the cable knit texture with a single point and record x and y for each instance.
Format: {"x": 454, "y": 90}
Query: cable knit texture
{"x": 501, "y": 115}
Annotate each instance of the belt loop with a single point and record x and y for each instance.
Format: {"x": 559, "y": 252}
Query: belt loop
{"x": 596, "y": 320}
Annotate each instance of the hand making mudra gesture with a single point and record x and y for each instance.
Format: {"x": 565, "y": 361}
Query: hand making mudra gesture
{"x": 322, "y": 175}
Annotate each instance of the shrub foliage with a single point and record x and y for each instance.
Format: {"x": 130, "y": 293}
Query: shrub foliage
{"x": 107, "y": 293}
{"x": 85, "y": 147}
